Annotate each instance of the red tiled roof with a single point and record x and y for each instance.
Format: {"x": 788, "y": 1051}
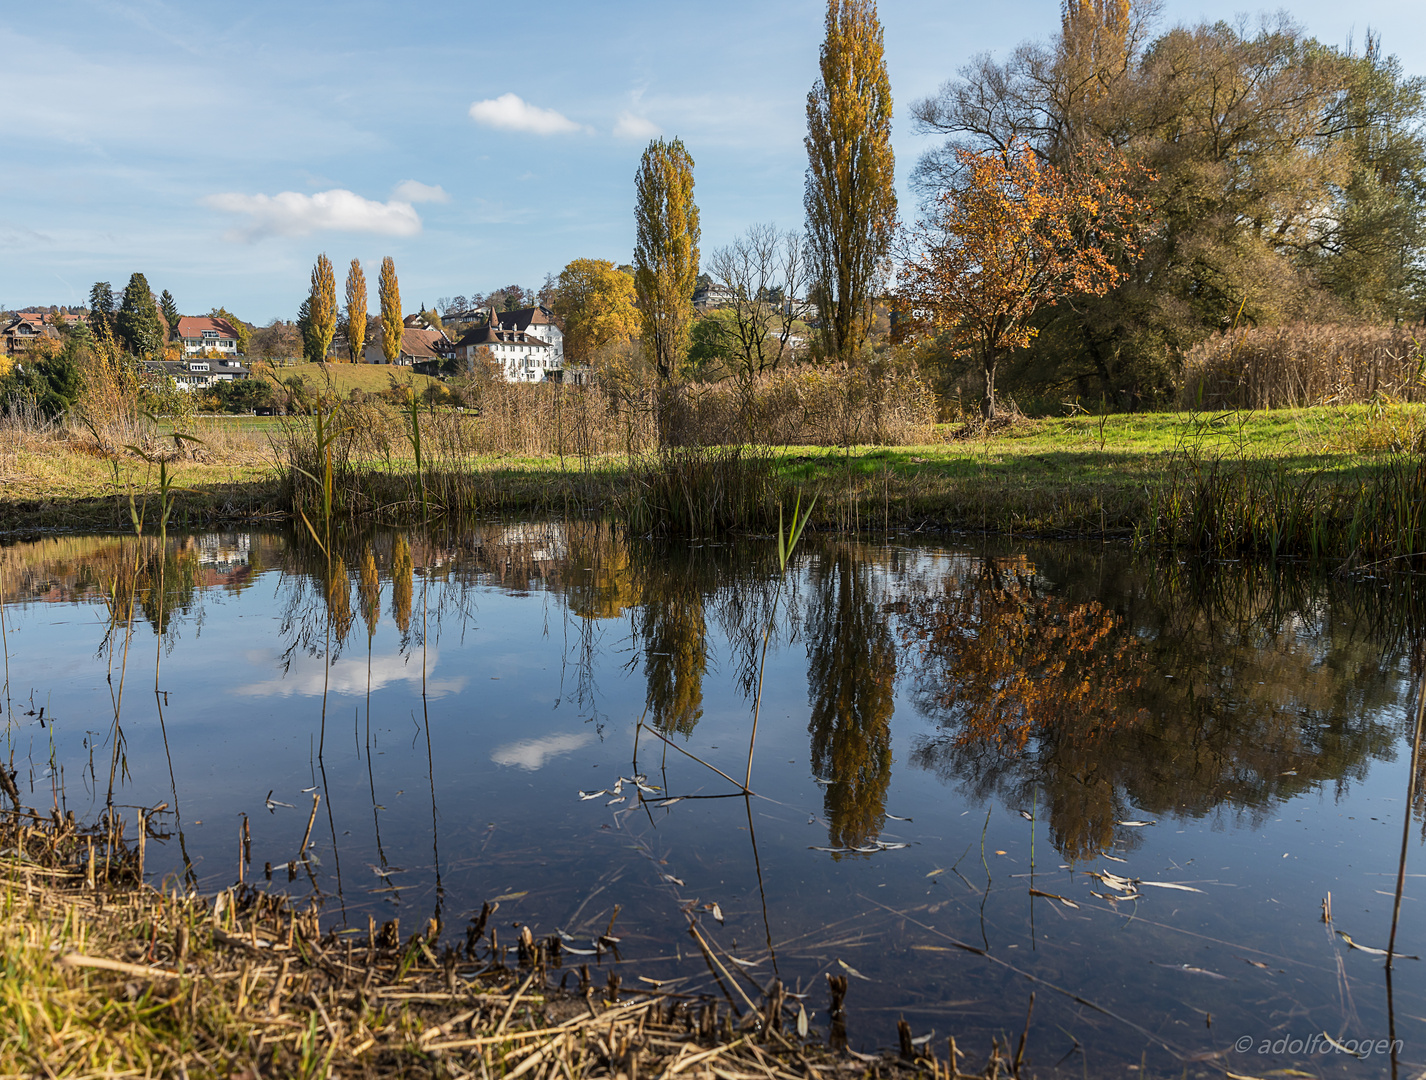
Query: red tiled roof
{"x": 192, "y": 326}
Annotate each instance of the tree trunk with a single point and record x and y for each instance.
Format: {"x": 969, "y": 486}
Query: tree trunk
{"x": 987, "y": 403}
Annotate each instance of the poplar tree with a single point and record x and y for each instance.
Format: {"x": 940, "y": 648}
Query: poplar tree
{"x": 322, "y": 310}
{"x": 169, "y": 308}
{"x": 356, "y": 312}
{"x": 390, "y": 291}
{"x": 665, "y": 251}
{"x": 850, "y": 196}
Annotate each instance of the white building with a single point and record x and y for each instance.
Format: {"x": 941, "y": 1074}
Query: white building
{"x": 525, "y": 345}
{"x": 201, "y": 334}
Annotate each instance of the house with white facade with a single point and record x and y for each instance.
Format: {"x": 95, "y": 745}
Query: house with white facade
{"x": 525, "y": 345}
{"x": 202, "y": 335}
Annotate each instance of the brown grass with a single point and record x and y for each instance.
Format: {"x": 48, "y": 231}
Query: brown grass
{"x": 1301, "y": 365}
{"x": 102, "y": 975}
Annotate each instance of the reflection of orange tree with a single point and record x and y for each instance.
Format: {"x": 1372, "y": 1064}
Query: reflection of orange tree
{"x": 851, "y": 675}
{"x": 1027, "y": 684}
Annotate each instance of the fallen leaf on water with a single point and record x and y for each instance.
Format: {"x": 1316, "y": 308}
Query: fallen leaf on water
{"x": 1338, "y": 1046}
{"x": 933, "y": 873}
{"x": 1136, "y": 824}
{"x": 1027, "y": 817}
{"x": 801, "y": 1021}
{"x": 670, "y": 877}
{"x": 718, "y": 914}
{"x": 669, "y": 802}
{"x": 744, "y": 963}
{"x": 922, "y": 1040}
{"x": 587, "y": 795}
{"x": 1189, "y": 969}
{"x": 1054, "y": 896}
{"x": 1170, "y": 885}
{"x": 511, "y": 896}
{"x": 1000, "y": 851}
{"x": 1112, "y": 858}
{"x": 614, "y": 802}
{"x": 893, "y": 817}
{"x": 853, "y": 972}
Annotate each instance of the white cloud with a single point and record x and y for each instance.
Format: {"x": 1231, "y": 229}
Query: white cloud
{"x": 531, "y": 754}
{"x": 290, "y": 213}
{"x": 636, "y": 127}
{"x": 413, "y": 191}
{"x": 509, "y": 113}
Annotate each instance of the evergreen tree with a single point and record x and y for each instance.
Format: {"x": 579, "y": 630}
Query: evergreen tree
{"x": 851, "y": 195}
{"x": 665, "y": 251}
{"x": 138, "y": 325}
{"x": 169, "y": 310}
{"x": 313, "y": 347}
{"x": 101, "y": 308}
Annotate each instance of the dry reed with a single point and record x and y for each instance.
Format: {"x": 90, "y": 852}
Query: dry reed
{"x": 1300, "y": 365}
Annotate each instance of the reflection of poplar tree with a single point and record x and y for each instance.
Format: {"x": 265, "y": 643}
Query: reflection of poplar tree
{"x": 339, "y": 599}
{"x": 850, "y": 673}
{"x": 401, "y": 585}
{"x": 369, "y": 589}
{"x": 675, "y": 638}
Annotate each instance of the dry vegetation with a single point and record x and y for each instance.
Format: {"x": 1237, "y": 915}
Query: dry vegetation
{"x": 1300, "y": 365}
{"x": 104, "y": 976}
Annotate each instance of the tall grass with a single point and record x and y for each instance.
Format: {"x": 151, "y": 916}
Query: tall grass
{"x": 698, "y": 491}
{"x": 1288, "y": 366}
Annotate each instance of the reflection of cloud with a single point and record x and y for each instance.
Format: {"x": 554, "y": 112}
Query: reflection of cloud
{"x": 290, "y": 213}
{"x": 509, "y": 112}
{"x": 532, "y": 753}
{"x": 305, "y": 677}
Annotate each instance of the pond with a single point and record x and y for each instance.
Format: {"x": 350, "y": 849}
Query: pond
{"x": 981, "y": 771}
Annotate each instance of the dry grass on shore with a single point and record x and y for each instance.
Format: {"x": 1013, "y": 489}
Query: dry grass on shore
{"x": 105, "y": 976}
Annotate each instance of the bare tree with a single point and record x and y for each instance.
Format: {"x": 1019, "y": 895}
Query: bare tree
{"x": 760, "y": 274}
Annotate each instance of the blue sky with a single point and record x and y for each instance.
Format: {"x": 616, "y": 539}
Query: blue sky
{"x": 219, "y": 147}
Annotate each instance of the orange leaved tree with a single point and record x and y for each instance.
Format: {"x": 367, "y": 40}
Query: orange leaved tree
{"x": 1016, "y": 235}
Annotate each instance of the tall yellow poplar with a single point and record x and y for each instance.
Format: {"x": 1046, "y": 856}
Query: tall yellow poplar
{"x": 850, "y": 197}
{"x": 390, "y": 311}
{"x": 665, "y": 251}
{"x": 356, "y": 312}
{"x": 323, "y": 312}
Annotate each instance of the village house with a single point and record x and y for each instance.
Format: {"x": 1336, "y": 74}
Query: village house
{"x": 27, "y": 327}
{"x": 420, "y": 344}
{"x": 526, "y": 345}
{"x": 203, "y": 335}
{"x": 199, "y": 374}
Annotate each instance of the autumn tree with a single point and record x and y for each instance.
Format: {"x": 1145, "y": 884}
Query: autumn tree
{"x": 391, "y": 323}
{"x": 356, "y": 312}
{"x": 595, "y": 301}
{"x": 168, "y": 308}
{"x": 761, "y": 274}
{"x": 322, "y": 306}
{"x": 850, "y": 195}
{"x": 665, "y": 251}
{"x": 137, "y": 323}
{"x": 1016, "y": 236}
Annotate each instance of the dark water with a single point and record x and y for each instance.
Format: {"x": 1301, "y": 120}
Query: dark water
{"x": 951, "y": 739}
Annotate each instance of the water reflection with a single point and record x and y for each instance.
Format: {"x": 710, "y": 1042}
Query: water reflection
{"x": 953, "y": 686}
{"x": 851, "y": 675}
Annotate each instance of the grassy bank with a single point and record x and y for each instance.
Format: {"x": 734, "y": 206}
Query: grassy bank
{"x": 1328, "y": 481}
{"x": 103, "y": 975}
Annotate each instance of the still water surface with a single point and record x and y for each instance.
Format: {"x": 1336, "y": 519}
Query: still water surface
{"x": 962, "y": 755}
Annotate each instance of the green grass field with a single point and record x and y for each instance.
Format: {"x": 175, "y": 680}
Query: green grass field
{"x": 1062, "y": 476}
